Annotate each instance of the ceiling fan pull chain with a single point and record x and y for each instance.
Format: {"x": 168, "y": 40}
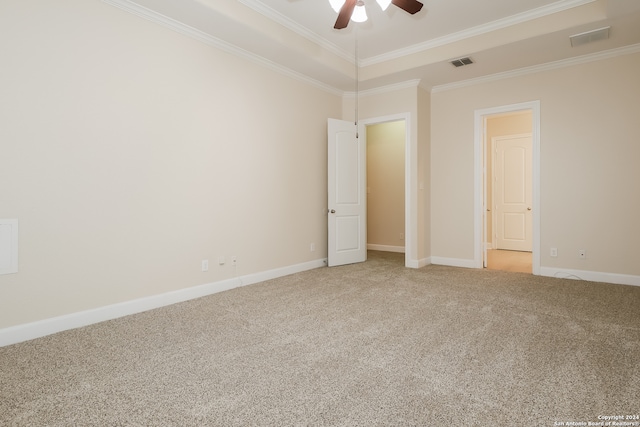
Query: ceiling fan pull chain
{"x": 357, "y": 78}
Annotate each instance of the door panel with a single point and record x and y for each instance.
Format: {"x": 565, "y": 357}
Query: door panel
{"x": 347, "y": 240}
{"x": 347, "y": 235}
{"x": 513, "y": 193}
{"x": 514, "y": 224}
{"x": 347, "y": 168}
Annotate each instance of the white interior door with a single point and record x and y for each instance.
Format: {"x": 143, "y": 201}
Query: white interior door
{"x": 347, "y": 224}
{"x": 513, "y": 192}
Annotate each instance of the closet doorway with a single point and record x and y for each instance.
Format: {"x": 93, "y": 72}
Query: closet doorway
{"x": 386, "y": 186}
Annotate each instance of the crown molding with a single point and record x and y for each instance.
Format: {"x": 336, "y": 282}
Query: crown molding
{"x": 384, "y": 89}
{"x": 150, "y": 15}
{"x": 476, "y": 31}
{"x": 297, "y": 28}
{"x": 583, "y": 59}
{"x": 201, "y": 36}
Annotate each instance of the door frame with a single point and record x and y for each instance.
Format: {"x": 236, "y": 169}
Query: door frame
{"x": 410, "y": 184}
{"x": 480, "y": 173}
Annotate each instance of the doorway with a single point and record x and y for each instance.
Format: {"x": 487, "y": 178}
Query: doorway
{"x": 385, "y": 186}
{"x": 397, "y": 126}
{"x": 507, "y": 182}
{"x": 346, "y": 169}
{"x": 508, "y": 187}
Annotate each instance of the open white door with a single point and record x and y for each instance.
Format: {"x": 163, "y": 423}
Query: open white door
{"x": 347, "y": 205}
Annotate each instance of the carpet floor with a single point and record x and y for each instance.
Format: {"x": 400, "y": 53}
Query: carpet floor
{"x": 371, "y": 344}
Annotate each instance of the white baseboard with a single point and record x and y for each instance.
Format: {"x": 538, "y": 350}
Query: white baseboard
{"x": 385, "y": 248}
{"x": 29, "y": 331}
{"x": 454, "y": 262}
{"x": 418, "y": 263}
{"x": 591, "y": 276}
{"x": 564, "y": 273}
{"x": 400, "y": 249}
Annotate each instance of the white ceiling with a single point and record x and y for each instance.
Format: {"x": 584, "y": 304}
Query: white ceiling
{"x": 297, "y": 36}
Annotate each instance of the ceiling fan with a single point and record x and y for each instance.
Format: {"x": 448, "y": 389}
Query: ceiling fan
{"x": 347, "y": 8}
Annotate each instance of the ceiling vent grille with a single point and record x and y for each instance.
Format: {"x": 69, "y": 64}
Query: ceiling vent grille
{"x": 460, "y": 62}
{"x": 589, "y": 36}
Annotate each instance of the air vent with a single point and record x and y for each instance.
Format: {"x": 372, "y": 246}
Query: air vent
{"x": 461, "y": 62}
{"x": 589, "y": 36}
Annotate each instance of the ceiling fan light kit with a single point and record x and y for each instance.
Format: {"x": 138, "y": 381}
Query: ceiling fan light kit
{"x": 354, "y": 9}
{"x": 359, "y": 13}
{"x": 384, "y": 4}
{"x": 336, "y": 5}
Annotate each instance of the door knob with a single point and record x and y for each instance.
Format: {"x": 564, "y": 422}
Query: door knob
{"x": 528, "y": 209}
{"x": 332, "y": 211}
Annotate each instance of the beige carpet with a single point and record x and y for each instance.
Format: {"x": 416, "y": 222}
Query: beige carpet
{"x": 362, "y": 345}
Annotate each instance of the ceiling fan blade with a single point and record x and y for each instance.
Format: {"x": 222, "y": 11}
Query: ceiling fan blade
{"x": 410, "y": 6}
{"x": 345, "y": 14}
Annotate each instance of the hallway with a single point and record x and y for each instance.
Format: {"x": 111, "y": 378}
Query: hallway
{"x": 509, "y": 260}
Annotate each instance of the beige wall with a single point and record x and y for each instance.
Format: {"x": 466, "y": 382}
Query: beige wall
{"x": 424, "y": 173}
{"x": 129, "y": 153}
{"x": 502, "y": 125}
{"x": 385, "y": 184}
{"x": 589, "y": 150}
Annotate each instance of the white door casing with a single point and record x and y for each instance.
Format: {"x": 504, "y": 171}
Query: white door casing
{"x": 347, "y": 226}
{"x": 480, "y": 207}
{"x": 512, "y": 192}
{"x": 411, "y": 185}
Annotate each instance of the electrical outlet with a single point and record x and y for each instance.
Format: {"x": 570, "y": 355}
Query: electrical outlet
{"x": 312, "y": 247}
{"x": 221, "y": 260}
{"x": 401, "y": 236}
{"x": 582, "y": 254}
{"x": 205, "y": 265}
{"x": 553, "y": 252}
